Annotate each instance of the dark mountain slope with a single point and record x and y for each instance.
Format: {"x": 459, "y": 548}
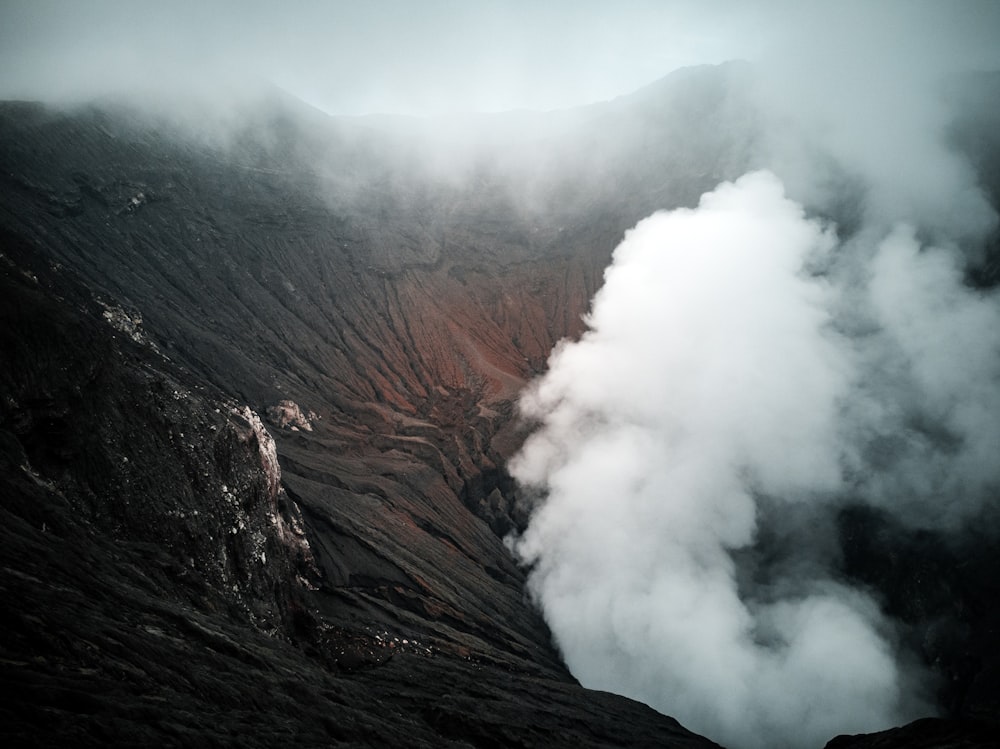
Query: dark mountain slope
{"x": 165, "y": 585}
{"x": 296, "y": 310}
{"x": 158, "y": 586}
{"x": 379, "y": 308}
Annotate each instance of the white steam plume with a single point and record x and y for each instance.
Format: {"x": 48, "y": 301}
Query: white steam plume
{"x": 718, "y": 389}
{"x": 711, "y": 378}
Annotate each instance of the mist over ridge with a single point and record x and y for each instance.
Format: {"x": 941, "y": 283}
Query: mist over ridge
{"x": 754, "y": 486}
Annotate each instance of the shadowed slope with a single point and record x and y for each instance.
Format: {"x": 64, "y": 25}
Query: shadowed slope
{"x": 155, "y": 287}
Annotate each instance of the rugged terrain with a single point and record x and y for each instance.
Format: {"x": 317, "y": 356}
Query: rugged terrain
{"x": 258, "y": 389}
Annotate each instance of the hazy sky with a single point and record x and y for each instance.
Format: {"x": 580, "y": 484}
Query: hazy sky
{"x": 403, "y": 56}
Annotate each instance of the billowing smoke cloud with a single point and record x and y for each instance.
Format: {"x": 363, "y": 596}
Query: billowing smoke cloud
{"x": 719, "y": 389}
{"x": 925, "y": 417}
{"x": 748, "y": 371}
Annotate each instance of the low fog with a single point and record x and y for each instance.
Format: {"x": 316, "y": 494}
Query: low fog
{"x": 750, "y": 366}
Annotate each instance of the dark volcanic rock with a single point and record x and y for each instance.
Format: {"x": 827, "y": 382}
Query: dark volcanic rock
{"x": 164, "y": 581}
{"x": 929, "y": 733}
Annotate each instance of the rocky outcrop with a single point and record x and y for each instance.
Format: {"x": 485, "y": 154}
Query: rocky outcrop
{"x": 138, "y": 454}
{"x": 287, "y": 415}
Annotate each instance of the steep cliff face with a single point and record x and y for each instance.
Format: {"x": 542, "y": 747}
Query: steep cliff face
{"x": 162, "y": 586}
{"x": 258, "y": 395}
{"x": 410, "y": 371}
